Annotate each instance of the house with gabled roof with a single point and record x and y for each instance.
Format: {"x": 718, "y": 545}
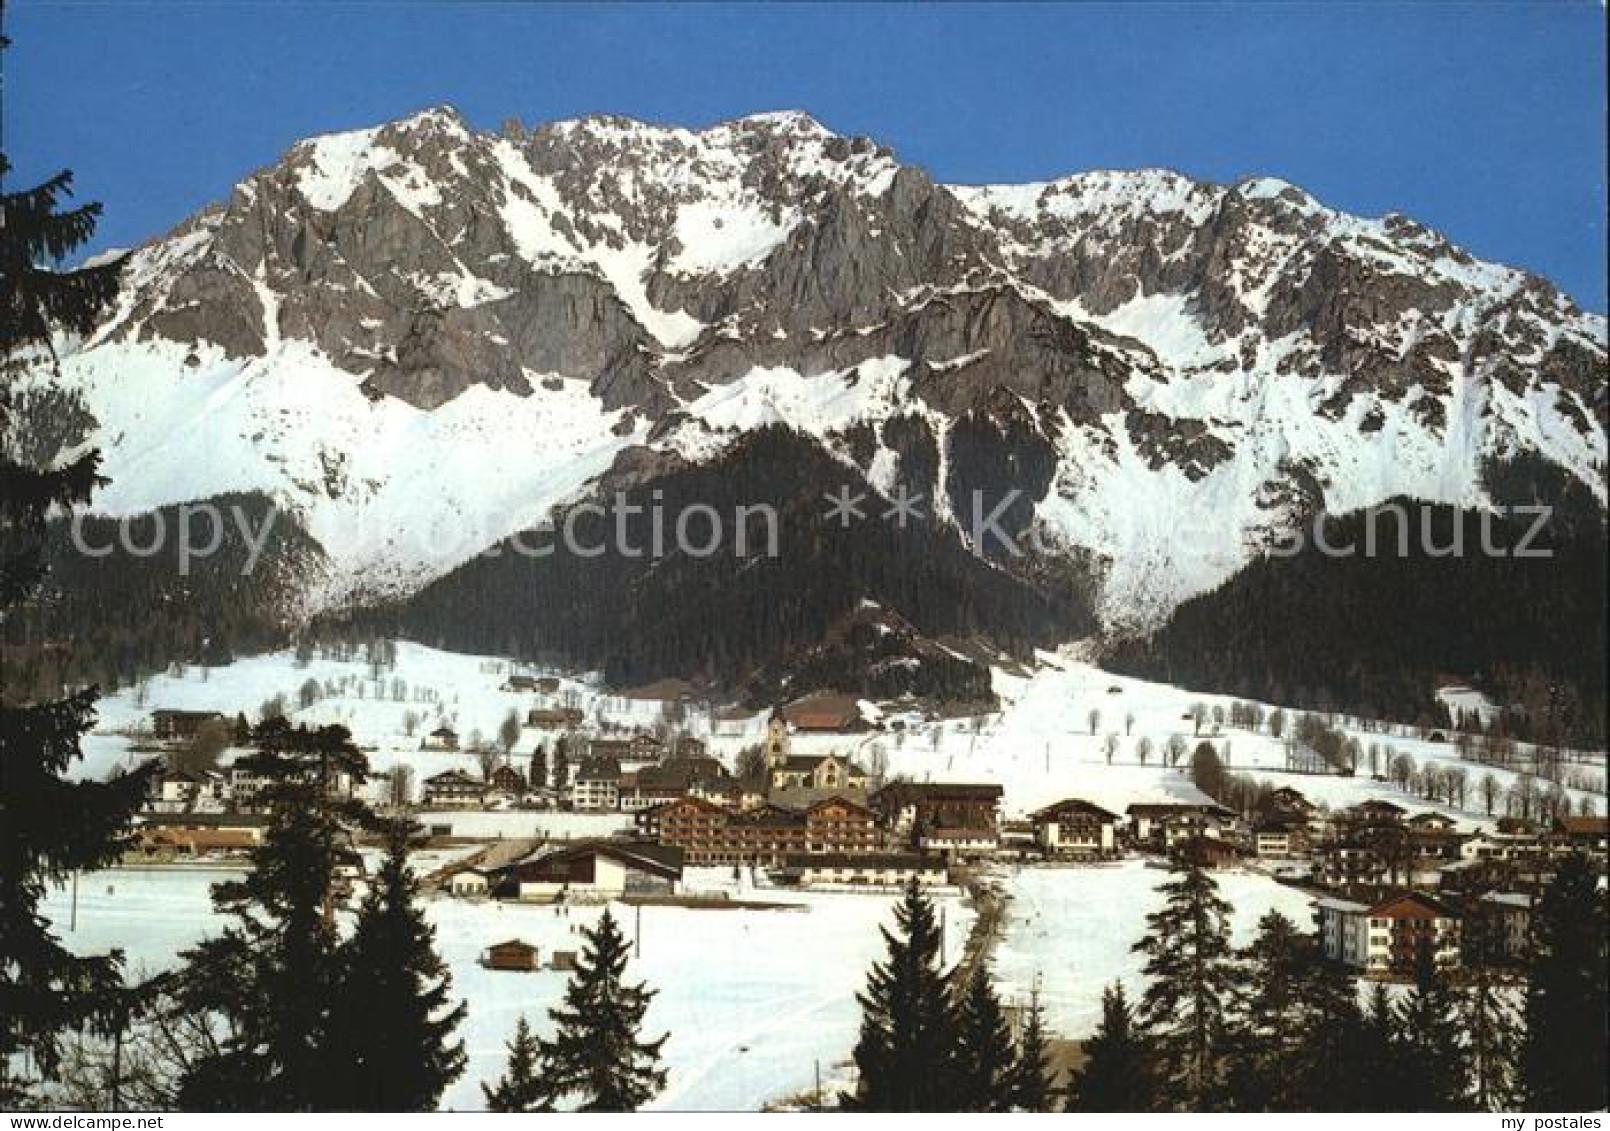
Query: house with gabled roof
{"x": 886, "y": 870}
{"x": 595, "y": 869}
{"x": 817, "y": 771}
{"x": 454, "y": 789}
{"x": 1164, "y": 825}
{"x": 905, "y": 805}
{"x": 596, "y": 785}
{"x": 1430, "y": 821}
{"x": 1280, "y": 836}
{"x": 1376, "y": 810}
{"x": 1581, "y": 834}
{"x": 1386, "y": 937}
{"x": 442, "y": 739}
{"x": 1076, "y": 827}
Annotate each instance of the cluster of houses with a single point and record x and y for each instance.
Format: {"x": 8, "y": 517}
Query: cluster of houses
{"x": 1394, "y": 885}
{"x": 1378, "y": 843}
{"x": 819, "y": 818}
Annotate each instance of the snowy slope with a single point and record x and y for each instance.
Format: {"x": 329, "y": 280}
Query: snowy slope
{"x": 1040, "y": 746}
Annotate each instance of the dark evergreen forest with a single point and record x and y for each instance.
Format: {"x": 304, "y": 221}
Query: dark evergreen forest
{"x": 724, "y": 617}
{"x": 1373, "y": 635}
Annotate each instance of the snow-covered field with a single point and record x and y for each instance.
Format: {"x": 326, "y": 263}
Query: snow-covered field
{"x": 1070, "y": 931}
{"x": 752, "y": 999}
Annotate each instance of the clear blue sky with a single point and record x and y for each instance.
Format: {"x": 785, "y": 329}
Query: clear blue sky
{"x": 1484, "y": 120}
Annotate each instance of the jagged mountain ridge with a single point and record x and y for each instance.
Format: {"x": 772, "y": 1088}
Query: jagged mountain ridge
{"x": 423, "y": 338}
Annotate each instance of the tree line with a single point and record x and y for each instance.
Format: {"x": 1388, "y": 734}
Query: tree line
{"x": 1373, "y": 635}
{"x": 931, "y": 1041}
{"x": 1274, "y": 1026}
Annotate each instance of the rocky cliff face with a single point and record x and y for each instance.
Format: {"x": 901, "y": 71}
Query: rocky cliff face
{"x": 425, "y": 327}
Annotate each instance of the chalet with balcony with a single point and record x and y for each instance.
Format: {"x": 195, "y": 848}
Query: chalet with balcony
{"x": 1076, "y": 828}
{"x": 1163, "y": 826}
{"x": 454, "y": 789}
{"x": 709, "y": 833}
{"x": 869, "y": 869}
{"x": 905, "y": 806}
{"x": 507, "y": 779}
{"x": 639, "y": 748}
{"x": 656, "y": 784}
{"x": 1280, "y": 837}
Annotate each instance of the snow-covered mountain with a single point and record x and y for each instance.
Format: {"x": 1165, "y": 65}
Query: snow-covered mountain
{"x": 422, "y": 338}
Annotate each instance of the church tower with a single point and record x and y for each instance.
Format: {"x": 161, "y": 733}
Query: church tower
{"x": 776, "y": 739}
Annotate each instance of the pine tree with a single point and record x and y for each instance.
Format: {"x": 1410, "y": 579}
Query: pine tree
{"x": 537, "y": 775}
{"x": 1488, "y": 1019}
{"x": 1118, "y": 1073}
{"x": 1563, "y": 1054}
{"x": 906, "y": 1053}
{"x": 521, "y": 1087}
{"x": 1328, "y": 1057}
{"x": 596, "y": 1056}
{"x": 1265, "y": 1032}
{"x": 392, "y": 1022}
{"x": 561, "y": 764}
{"x": 270, "y": 977}
{"x": 1380, "y": 1056}
{"x": 984, "y": 1053}
{"x": 1183, "y": 1012}
{"x": 1432, "y": 1049}
{"x": 1032, "y": 1078}
{"x": 50, "y": 827}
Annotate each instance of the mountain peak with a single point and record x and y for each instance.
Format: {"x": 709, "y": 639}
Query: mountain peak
{"x": 1101, "y": 338}
{"x": 793, "y": 120}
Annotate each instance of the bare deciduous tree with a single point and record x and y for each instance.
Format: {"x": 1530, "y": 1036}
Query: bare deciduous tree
{"x": 1176, "y": 748}
{"x": 1199, "y": 714}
